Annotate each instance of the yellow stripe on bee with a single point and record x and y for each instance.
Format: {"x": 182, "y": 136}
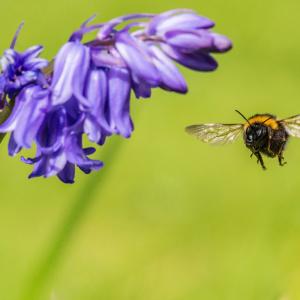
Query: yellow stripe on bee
{"x": 271, "y": 122}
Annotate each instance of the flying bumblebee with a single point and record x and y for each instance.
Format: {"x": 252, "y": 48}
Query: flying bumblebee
{"x": 263, "y": 134}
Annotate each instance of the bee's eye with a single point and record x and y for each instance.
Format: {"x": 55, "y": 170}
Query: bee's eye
{"x": 258, "y": 132}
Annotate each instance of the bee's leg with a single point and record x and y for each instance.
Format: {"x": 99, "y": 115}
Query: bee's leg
{"x": 260, "y": 160}
{"x": 281, "y": 158}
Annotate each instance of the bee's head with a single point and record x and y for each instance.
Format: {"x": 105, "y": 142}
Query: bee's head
{"x": 255, "y": 135}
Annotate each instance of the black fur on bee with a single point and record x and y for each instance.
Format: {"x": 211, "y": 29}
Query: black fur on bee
{"x": 264, "y": 134}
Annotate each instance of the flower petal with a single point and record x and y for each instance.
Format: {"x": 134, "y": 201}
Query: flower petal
{"x": 119, "y": 102}
{"x": 32, "y": 52}
{"x": 47, "y": 165}
{"x": 220, "y": 43}
{"x": 51, "y": 133}
{"x": 189, "y": 41}
{"x": 56, "y": 163}
{"x": 97, "y": 96}
{"x": 40, "y": 168}
{"x": 35, "y": 64}
{"x": 13, "y": 147}
{"x": 178, "y": 19}
{"x": 137, "y": 59}
{"x": 11, "y": 122}
{"x": 92, "y": 129}
{"x": 70, "y": 69}
{"x": 198, "y": 61}
{"x": 142, "y": 89}
{"x": 171, "y": 78}
{"x": 9, "y": 58}
{"x": 107, "y": 58}
{"x": 32, "y": 116}
{"x": 30, "y": 161}
{"x": 76, "y": 155}
{"x": 67, "y": 174}
{"x": 89, "y": 150}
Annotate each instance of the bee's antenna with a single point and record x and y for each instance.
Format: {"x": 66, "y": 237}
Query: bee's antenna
{"x": 243, "y": 116}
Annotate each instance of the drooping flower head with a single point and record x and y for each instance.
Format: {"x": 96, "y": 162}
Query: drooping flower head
{"x": 20, "y": 69}
{"x": 86, "y": 89}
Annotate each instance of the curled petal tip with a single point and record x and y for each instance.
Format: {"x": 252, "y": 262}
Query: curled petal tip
{"x": 221, "y": 43}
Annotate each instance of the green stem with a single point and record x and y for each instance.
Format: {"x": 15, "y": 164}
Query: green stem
{"x": 62, "y": 238}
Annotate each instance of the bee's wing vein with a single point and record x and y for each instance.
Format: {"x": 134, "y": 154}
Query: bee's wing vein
{"x": 216, "y": 133}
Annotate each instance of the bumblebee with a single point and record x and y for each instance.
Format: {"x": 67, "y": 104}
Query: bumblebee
{"x": 262, "y": 133}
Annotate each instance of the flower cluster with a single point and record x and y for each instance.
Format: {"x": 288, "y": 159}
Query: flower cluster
{"x": 86, "y": 89}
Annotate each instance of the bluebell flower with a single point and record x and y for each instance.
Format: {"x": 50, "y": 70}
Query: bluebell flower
{"x": 187, "y": 38}
{"x": 28, "y": 113}
{"x": 179, "y": 35}
{"x": 69, "y": 73}
{"x": 86, "y": 89}
{"x": 60, "y": 149}
{"x": 21, "y": 69}
{"x": 97, "y": 115}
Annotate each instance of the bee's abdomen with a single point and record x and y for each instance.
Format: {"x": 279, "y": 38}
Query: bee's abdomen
{"x": 278, "y": 140}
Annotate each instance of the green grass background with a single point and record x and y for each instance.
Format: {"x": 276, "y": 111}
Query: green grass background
{"x": 169, "y": 218}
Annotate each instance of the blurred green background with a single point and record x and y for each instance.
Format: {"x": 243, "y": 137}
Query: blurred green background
{"x": 170, "y": 218}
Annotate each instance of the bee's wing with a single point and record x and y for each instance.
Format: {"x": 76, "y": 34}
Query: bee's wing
{"x": 216, "y": 133}
{"x": 292, "y": 125}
